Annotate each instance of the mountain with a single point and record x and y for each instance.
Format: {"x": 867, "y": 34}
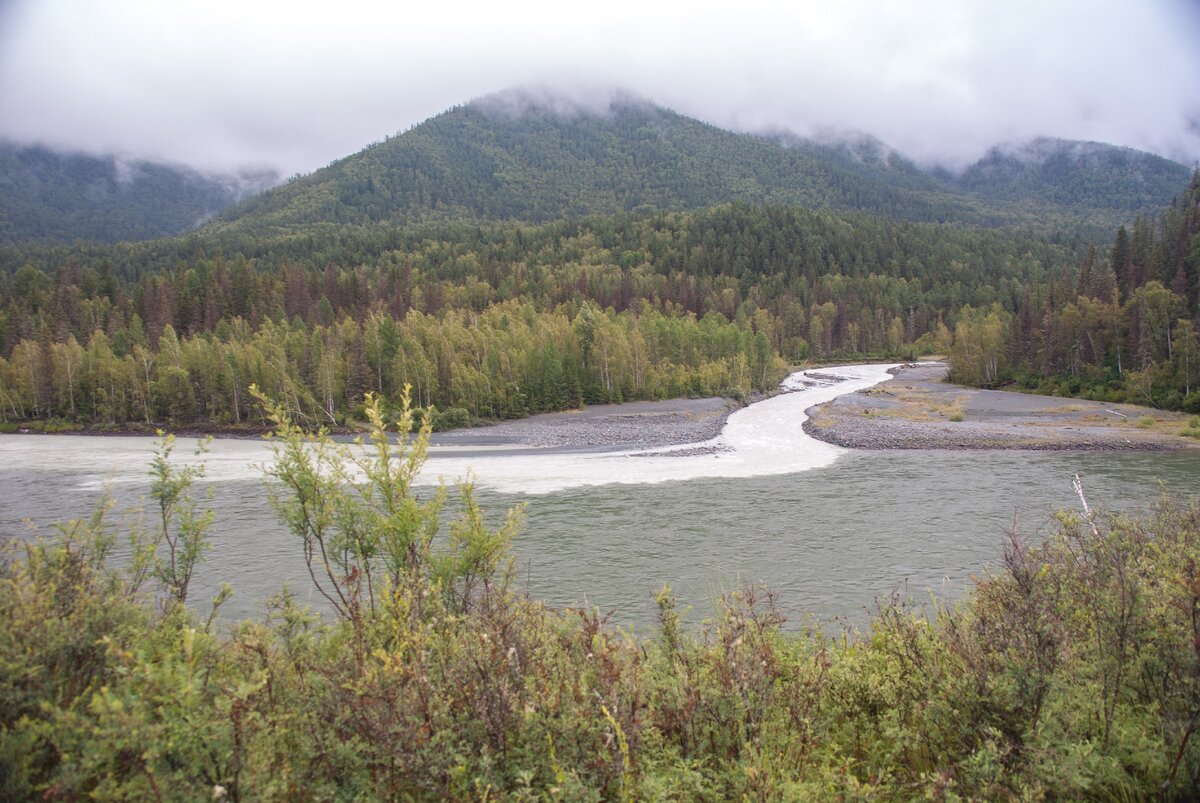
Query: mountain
{"x": 516, "y": 156}
{"x": 51, "y": 196}
{"x": 1064, "y": 172}
{"x": 535, "y": 158}
{"x": 500, "y": 159}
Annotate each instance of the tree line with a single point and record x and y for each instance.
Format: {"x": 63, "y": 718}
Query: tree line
{"x": 510, "y": 360}
{"x": 497, "y": 321}
{"x": 1125, "y": 326}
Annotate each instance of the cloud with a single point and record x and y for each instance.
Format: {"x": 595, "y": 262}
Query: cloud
{"x": 294, "y": 85}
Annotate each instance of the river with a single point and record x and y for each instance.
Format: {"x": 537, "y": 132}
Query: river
{"x": 829, "y": 529}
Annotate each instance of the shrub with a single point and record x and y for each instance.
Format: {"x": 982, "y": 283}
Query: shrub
{"x": 1192, "y": 428}
{"x": 1071, "y": 672}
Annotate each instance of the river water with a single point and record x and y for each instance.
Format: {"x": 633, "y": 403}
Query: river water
{"x": 829, "y": 529}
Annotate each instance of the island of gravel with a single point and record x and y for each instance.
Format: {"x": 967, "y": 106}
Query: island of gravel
{"x": 919, "y": 409}
{"x": 629, "y": 426}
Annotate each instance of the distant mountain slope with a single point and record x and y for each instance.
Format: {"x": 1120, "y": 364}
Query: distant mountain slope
{"x": 489, "y": 160}
{"x": 46, "y": 195}
{"x": 516, "y": 157}
{"x": 1071, "y": 173}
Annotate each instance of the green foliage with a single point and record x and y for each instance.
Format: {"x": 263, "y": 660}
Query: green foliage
{"x": 506, "y": 361}
{"x": 364, "y": 532}
{"x": 180, "y": 528}
{"x": 453, "y": 418}
{"x": 517, "y": 157}
{"x": 501, "y": 322}
{"x": 1070, "y": 672}
{"x": 1125, "y": 330}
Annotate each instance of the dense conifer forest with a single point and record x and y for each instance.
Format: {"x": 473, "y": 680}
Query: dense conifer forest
{"x": 496, "y": 321}
{"x": 1122, "y": 326}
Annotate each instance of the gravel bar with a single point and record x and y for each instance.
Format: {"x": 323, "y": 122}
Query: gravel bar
{"x": 920, "y": 410}
{"x": 634, "y": 425}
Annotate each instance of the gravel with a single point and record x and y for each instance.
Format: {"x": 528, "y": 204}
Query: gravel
{"x": 920, "y": 410}
{"x": 636, "y": 425}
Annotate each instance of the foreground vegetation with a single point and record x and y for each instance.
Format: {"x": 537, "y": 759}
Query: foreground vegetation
{"x": 1073, "y": 671}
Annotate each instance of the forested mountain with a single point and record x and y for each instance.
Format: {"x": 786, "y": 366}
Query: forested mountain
{"x": 512, "y": 157}
{"x": 498, "y": 159}
{"x": 1070, "y": 173}
{"x": 50, "y": 196}
{"x": 518, "y": 157}
{"x": 508, "y": 257}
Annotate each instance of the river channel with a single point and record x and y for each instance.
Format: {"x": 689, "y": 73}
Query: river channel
{"x": 831, "y": 530}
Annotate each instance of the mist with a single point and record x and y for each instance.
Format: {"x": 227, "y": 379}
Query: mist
{"x": 292, "y": 86}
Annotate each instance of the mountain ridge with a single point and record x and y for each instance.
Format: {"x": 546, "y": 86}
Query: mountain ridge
{"x": 537, "y": 158}
{"x": 51, "y": 195}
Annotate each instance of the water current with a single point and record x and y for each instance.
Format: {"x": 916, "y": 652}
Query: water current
{"x": 831, "y": 530}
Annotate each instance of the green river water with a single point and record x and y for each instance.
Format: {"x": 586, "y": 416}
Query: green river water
{"x": 829, "y": 540}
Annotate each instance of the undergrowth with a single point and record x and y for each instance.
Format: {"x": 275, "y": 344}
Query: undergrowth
{"x": 1072, "y": 671}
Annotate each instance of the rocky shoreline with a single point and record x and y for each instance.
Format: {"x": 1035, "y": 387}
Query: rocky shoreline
{"x": 916, "y": 410}
{"x": 895, "y": 435}
{"x": 633, "y": 425}
{"x": 919, "y": 410}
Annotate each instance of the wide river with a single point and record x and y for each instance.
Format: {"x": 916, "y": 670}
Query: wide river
{"x": 830, "y": 529}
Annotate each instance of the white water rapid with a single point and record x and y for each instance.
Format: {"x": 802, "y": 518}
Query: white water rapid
{"x": 763, "y": 439}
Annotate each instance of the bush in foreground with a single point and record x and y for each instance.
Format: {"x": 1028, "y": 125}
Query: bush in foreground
{"x": 1072, "y": 672}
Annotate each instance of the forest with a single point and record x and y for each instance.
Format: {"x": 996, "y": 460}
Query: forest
{"x": 506, "y": 319}
{"x": 505, "y": 259}
{"x": 1124, "y": 326}
{"x": 496, "y": 322}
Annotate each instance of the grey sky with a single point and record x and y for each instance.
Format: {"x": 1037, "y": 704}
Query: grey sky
{"x": 294, "y": 84}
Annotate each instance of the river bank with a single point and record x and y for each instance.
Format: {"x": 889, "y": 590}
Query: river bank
{"x": 633, "y": 425}
{"x": 920, "y": 410}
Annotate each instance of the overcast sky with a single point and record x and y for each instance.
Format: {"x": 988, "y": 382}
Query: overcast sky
{"x": 293, "y": 85}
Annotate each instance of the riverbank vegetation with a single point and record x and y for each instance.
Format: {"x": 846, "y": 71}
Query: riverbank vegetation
{"x": 1125, "y": 328}
{"x": 1072, "y": 670}
{"x": 499, "y": 321}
